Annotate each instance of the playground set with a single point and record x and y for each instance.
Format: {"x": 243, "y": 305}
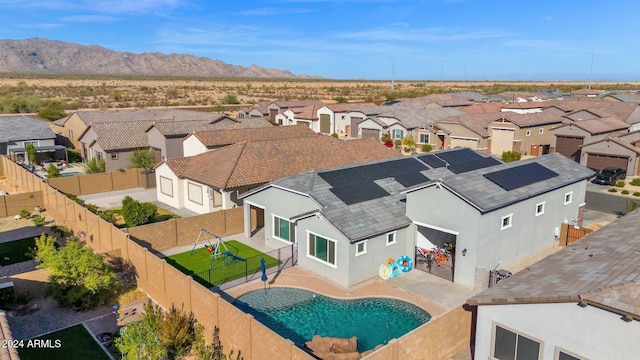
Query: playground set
{"x": 217, "y": 248}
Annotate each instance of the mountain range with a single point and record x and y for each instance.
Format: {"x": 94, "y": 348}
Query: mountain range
{"x": 38, "y": 55}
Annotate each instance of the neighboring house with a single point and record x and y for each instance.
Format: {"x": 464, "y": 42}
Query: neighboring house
{"x": 568, "y": 138}
{"x": 18, "y": 131}
{"x": 348, "y": 221}
{"x": 431, "y": 101}
{"x": 590, "y": 93}
{"x": 166, "y": 136}
{"x": 621, "y": 96}
{"x": 480, "y": 108}
{"x": 613, "y": 151}
{"x": 269, "y": 109}
{"x": 419, "y": 123}
{"x": 336, "y": 116}
{"x": 205, "y": 140}
{"x": 306, "y": 116}
{"x": 627, "y": 112}
{"x": 495, "y": 133}
{"x": 580, "y": 303}
{"x": 213, "y": 180}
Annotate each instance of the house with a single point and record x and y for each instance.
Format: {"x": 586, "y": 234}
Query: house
{"x": 18, "y": 131}
{"x": 205, "y": 140}
{"x": 590, "y": 93}
{"x": 75, "y": 125}
{"x": 494, "y": 133}
{"x": 350, "y": 220}
{"x": 269, "y": 109}
{"x": 613, "y": 151}
{"x": 568, "y": 138}
{"x": 305, "y": 115}
{"x": 336, "y": 116}
{"x": 215, "y": 179}
{"x": 583, "y": 302}
{"x": 166, "y": 136}
{"x": 431, "y": 101}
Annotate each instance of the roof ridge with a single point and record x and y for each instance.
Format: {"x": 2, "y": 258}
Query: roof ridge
{"x": 235, "y": 163}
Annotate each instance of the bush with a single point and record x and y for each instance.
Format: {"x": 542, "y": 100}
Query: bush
{"x": 409, "y": 142}
{"x": 74, "y": 156}
{"x": 38, "y": 220}
{"x": 388, "y": 143}
{"x": 635, "y": 182}
{"x": 625, "y": 192}
{"x": 230, "y": 99}
{"x": 612, "y": 190}
{"x": 96, "y": 166}
{"x": 426, "y": 148}
{"x": 397, "y": 143}
{"x": 53, "y": 110}
{"x": 385, "y": 137}
{"x": 53, "y": 171}
{"x": 620, "y": 183}
{"x": 637, "y": 193}
{"x": 142, "y": 158}
{"x": 25, "y": 214}
{"x": 334, "y": 135}
{"x": 509, "y": 156}
{"x": 136, "y": 213}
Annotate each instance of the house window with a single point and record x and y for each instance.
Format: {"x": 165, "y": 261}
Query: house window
{"x": 194, "y": 193}
{"x": 565, "y": 355}
{"x": 568, "y": 198}
{"x": 166, "y": 186}
{"x": 284, "y": 230}
{"x": 540, "y": 208}
{"x": 423, "y": 138}
{"x": 322, "y": 249}
{"x": 34, "y": 143}
{"x": 391, "y": 238}
{"x": 509, "y": 345}
{"x": 114, "y": 156}
{"x": 361, "y": 248}
{"x": 541, "y": 131}
{"x": 217, "y": 198}
{"x": 70, "y": 134}
{"x": 507, "y": 222}
{"x": 396, "y": 134}
{"x": 99, "y": 155}
{"x": 528, "y": 133}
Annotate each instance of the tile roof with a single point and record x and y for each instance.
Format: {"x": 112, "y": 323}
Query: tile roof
{"x": 94, "y": 116}
{"x": 214, "y": 138}
{"x": 62, "y": 121}
{"x": 306, "y": 112}
{"x": 444, "y": 100}
{"x": 258, "y": 162}
{"x": 343, "y": 107}
{"x": 621, "y": 110}
{"x": 182, "y": 128}
{"x": 602, "y": 269}
{"x": 125, "y": 135}
{"x": 600, "y": 125}
{"x": 482, "y": 108}
{"x": 587, "y": 92}
{"x": 478, "y": 122}
{"x": 16, "y": 128}
{"x": 420, "y": 118}
{"x": 6, "y": 352}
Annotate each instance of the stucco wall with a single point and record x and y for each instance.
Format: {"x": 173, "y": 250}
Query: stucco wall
{"x": 611, "y": 148}
{"x": 588, "y": 332}
{"x": 192, "y": 146}
{"x": 168, "y": 188}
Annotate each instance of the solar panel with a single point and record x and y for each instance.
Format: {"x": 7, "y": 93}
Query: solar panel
{"x": 433, "y": 161}
{"x": 519, "y": 176}
{"x": 466, "y": 166}
{"x": 410, "y": 179}
{"x": 359, "y": 192}
{"x": 458, "y": 156}
{"x": 371, "y": 172}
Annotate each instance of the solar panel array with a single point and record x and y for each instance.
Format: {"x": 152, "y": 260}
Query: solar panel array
{"x": 519, "y": 176}
{"x": 480, "y": 163}
{"x": 459, "y": 161}
{"x": 459, "y": 156}
{"x": 356, "y": 184}
{"x": 433, "y": 161}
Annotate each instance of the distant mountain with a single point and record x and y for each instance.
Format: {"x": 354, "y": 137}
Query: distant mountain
{"x": 51, "y": 56}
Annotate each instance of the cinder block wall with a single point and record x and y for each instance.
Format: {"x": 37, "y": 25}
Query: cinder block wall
{"x": 96, "y": 183}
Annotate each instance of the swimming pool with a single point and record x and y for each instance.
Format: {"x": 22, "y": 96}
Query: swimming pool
{"x": 299, "y": 314}
{"x": 71, "y": 173}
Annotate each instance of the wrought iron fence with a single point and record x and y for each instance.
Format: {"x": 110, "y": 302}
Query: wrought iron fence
{"x": 237, "y": 272}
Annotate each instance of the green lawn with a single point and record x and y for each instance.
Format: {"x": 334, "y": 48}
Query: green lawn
{"x": 75, "y": 343}
{"x": 197, "y": 264}
{"x": 15, "y": 251}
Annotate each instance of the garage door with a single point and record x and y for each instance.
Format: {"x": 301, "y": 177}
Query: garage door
{"x": 325, "y": 123}
{"x": 601, "y": 161}
{"x": 371, "y": 133}
{"x": 464, "y": 142}
{"x": 501, "y": 140}
{"x": 569, "y": 146}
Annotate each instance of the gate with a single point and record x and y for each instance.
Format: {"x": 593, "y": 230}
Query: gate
{"x": 570, "y": 234}
{"x": 439, "y": 262}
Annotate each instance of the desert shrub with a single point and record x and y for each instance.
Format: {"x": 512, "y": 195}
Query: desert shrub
{"x": 52, "y": 110}
{"x": 38, "y": 220}
{"x": 53, "y": 171}
{"x": 612, "y": 190}
{"x": 136, "y": 213}
{"x": 637, "y": 193}
{"x": 25, "y": 214}
{"x": 620, "y": 183}
{"x": 142, "y": 158}
{"x": 74, "y": 156}
{"x": 397, "y": 143}
{"x": 625, "y": 192}
{"x": 230, "y": 99}
{"x": 96, "y": 166}
{"x": 509, "y": 156}
{"x": 426, "y": 148}
{"x": 635, "y": 182}
{"x": 409, "y": 142}
{"x": 334, "y": 135}
{"x": 385, "y": 137}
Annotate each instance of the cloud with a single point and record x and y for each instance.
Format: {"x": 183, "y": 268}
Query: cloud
{"x": 135, "y": 6}
{"x": 90, "y": 19}
{"x": 436, "y": 34}
{"x": 273, "y": 11}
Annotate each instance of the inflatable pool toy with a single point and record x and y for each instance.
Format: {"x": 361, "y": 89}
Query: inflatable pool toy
{"x": 384, "y": 272}
{"x": 405, "y": 263}
{"x": 394, "y": 270}
{"x": 390, "y": 261}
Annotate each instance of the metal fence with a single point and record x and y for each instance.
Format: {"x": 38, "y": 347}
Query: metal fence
{"x": 237, "y": 272}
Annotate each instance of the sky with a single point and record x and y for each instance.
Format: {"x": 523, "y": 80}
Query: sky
{"x": 359, "y": 39}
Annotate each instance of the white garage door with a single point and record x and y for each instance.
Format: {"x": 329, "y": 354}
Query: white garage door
{"x": 464, "y": 142}
{"x": 501, "y": 140}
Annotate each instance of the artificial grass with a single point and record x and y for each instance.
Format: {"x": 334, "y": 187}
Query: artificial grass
{"x": 16, "y": 251}
{"x": 197, "y": 265}
{"x": 74, "y": 343}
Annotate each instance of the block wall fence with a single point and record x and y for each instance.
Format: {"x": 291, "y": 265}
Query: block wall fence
{"x": 439, "y": 339}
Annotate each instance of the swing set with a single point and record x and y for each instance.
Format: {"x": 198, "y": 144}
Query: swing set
{"x": 217, "y": 248}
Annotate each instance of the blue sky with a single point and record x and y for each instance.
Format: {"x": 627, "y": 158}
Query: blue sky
{"x": 359, "y": 39}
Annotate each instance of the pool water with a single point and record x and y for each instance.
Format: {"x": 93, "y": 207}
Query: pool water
{"x": 299, "y": 314}
{"x": 72, "y": 173}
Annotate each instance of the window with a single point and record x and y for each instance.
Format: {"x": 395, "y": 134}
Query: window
{"x": 396, "y": 134}
{"x": 423, "y": 138}
{"x": 217, "y": 198}
{"x": 166, "y": 186}
{"x": 322, "y": 249}
{"x": 508, "y": 345}
{"x": 568, "y": 198}
{"x": 34, "y": 143}
{"x": 540, "y": 208}
{"x": 114, "y": 156}
{"x": 565, "y": 355}
{"x": 70, "y": 134}
{"x": 194, "y": 193}
{"x": 541, "y": 131}
{"x": 528, "y": 133}
{"x": 361, "y": 248}
{"x": 284, "y": 230}
{"x": 391, "y": 238}
{"x": 507, "y": 222}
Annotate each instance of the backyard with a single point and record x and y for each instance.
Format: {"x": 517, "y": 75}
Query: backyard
{"x": 216, "y": 270}
{"x": 70, "y": 343}
{"x": 16, "y": 251}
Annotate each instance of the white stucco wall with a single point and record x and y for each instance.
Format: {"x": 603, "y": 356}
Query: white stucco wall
{"x": 192, "y": 146}
{"x": 172, "y": 197}
{"x": 589, "y": 332}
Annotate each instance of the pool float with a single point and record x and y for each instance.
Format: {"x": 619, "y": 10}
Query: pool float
{"x": 390, "y": 261}
{"x": 394, "y": 269}
{"x": 405, "y": 263}
{"x": 384, "y": 272}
